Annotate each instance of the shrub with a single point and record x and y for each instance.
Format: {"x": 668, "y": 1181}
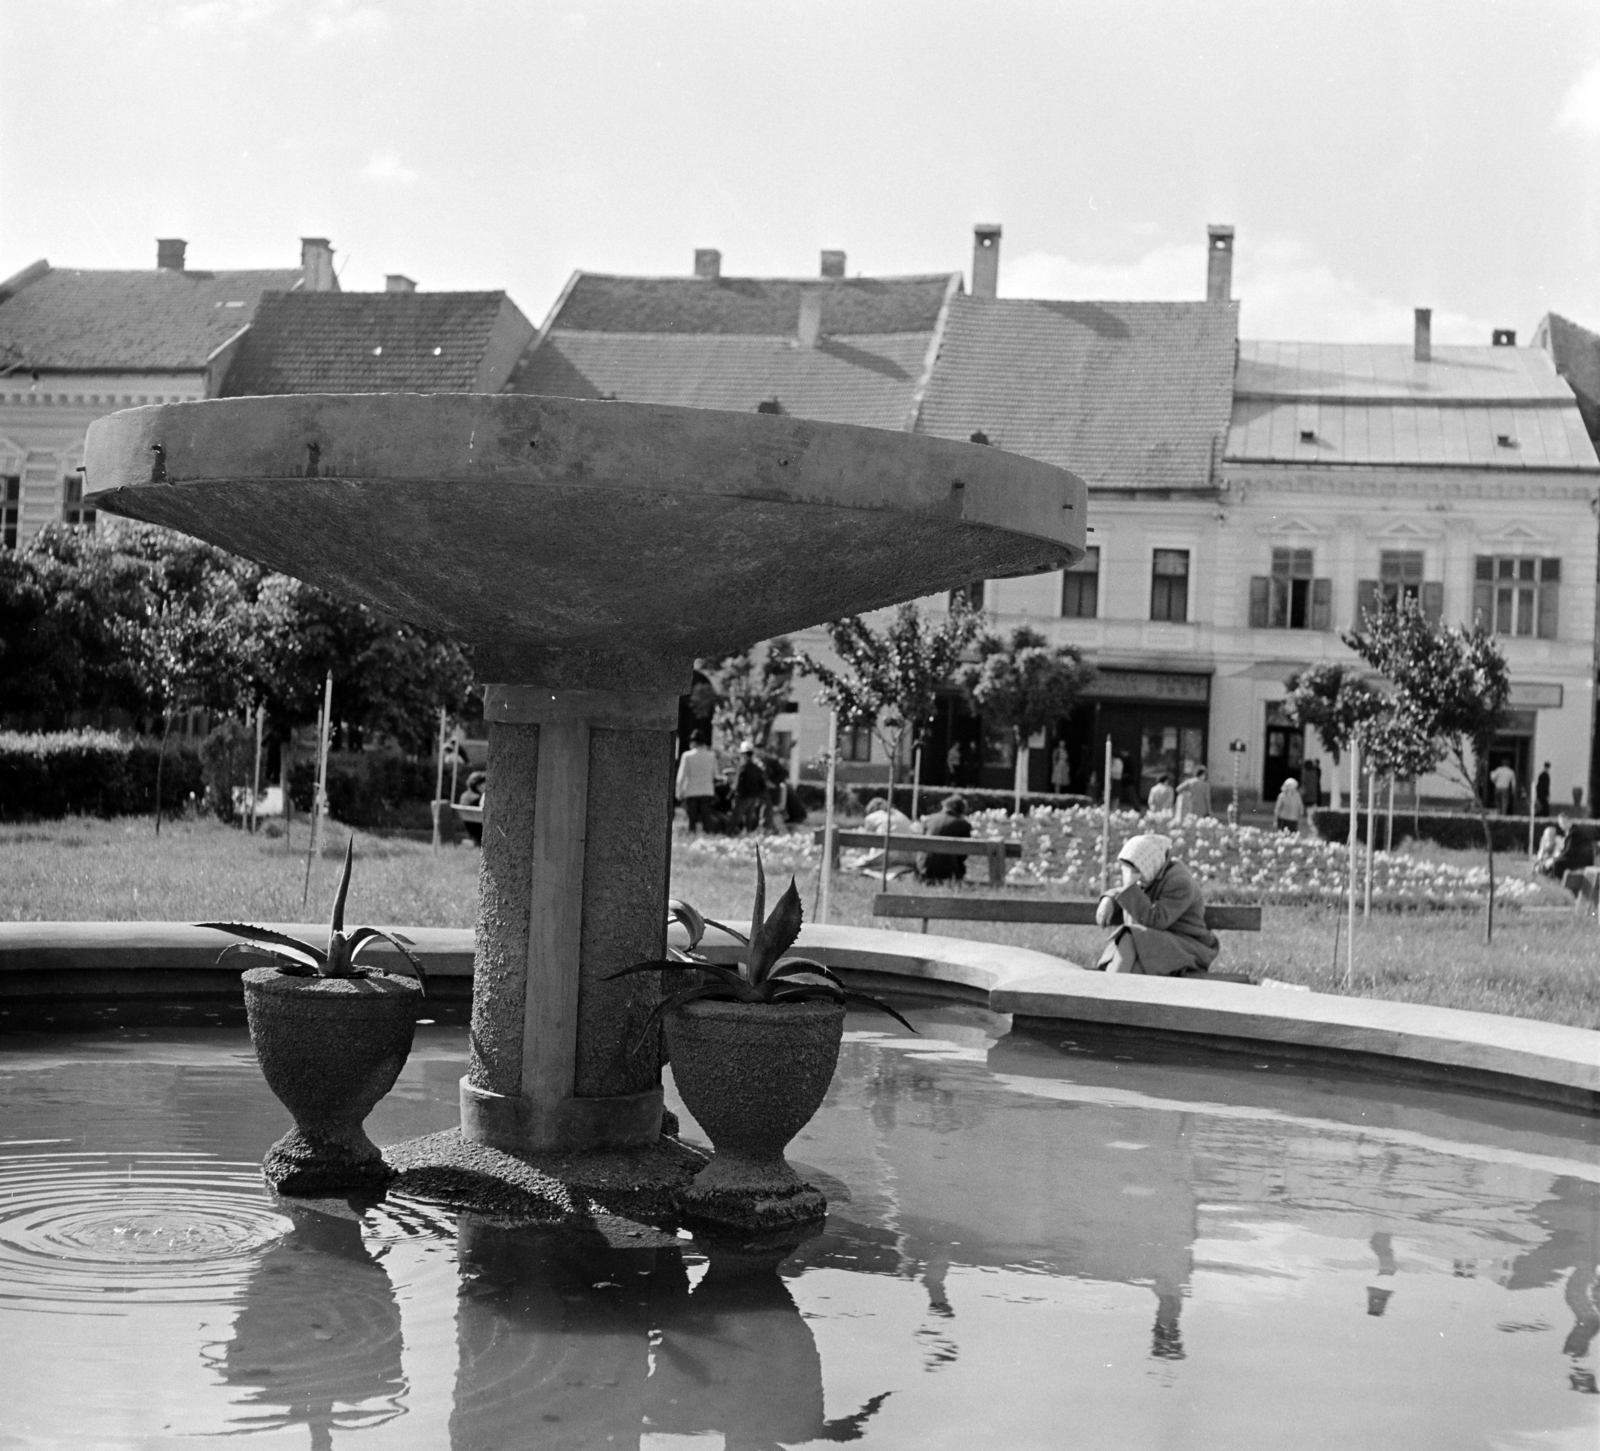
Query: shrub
{"x": 370, "y": 788}
{"x": 1454, "y": 829}
{"x": 91, "y": 773}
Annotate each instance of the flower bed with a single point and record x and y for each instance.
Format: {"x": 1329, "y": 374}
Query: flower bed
{"x": 1061, "y": 849}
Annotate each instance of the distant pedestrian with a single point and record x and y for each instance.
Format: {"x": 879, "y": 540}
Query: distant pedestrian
{"x": 1194, "y": 796}
{"x": 952, "y": 763}
{"x": 1311, "y": 783}
{"x": 1290, "y": 807}
{"x": 696, "y": 785}
{"x": 1061, "y": 769}
{"x": 749, "y": 789}
{"x": 1504, "y": 781}
{"x": 1116, "y": 779}
{"x": 1541, "y": 792}
{"x": 949, "y": 820}
{"x": 1162, "y": 796}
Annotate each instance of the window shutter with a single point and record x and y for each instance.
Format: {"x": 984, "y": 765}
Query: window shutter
{"x": 1433, "y": 600}
{"x": 1547, "y": 610}
{"x": 1366, "y": 601}
{"x": 1260, "y": 585}
{"x": 1322, "y": 604}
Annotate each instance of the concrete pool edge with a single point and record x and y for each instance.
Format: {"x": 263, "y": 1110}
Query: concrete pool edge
{"x": 1523, "y": 1057}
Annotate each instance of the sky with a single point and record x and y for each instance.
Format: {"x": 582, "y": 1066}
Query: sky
{"x": 1374, "y": 155}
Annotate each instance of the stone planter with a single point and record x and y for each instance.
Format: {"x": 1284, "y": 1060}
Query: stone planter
{"x": 330, "y": 1048}
{"x": 753, "y": 1074}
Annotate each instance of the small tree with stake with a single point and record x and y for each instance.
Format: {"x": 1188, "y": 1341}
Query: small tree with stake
{"x": 1333, "y": 700}
{"x": 1023, "y": 685}
{"x": 751, "y": 695}
{"x": 1452, "y": 684}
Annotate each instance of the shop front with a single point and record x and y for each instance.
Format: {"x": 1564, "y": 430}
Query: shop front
{"x": 1158, "y": 722}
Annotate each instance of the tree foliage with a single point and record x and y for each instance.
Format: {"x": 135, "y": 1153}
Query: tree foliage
{"x": 1025, "y": 684}
{"x": 1334, "y": 701}
{"x": 751, "y": 693}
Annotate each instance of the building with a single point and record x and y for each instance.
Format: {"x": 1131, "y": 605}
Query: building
{"x": 76, "y": 344}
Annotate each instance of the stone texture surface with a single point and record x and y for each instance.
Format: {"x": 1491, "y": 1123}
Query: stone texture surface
{"x": 543, "y": 527}
{"x": 329, "y": 1048}
{"x": 753, "y": 1075}
{"x": 627, "y": 859}
{"x": 500, "y": 970}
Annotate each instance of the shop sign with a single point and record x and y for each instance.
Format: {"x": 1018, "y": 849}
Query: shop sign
{"x": 1532, "y": 695}
{"x": 1149, "y": 685}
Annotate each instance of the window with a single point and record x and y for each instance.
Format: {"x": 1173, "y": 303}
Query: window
{"x": 1291, "y": 598}
{"x": 1080, "y": 588}
{"x": 10, "y": 508}
{"x": 72, "y": 509}
{"x": 855, "y": 743}
{"x": 971, "y": 593}
{"x": 1399, "y": 576}
{"x": 1517, "y": 595}
{"x": 1169, "y": 586}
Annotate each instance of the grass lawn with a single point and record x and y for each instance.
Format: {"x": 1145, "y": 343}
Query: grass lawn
{"x": 1545, "y": 962}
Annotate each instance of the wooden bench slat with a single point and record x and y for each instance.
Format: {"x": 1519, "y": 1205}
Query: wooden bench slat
{"x": 1004, "y": 909}
{"x": 936, "y": 845}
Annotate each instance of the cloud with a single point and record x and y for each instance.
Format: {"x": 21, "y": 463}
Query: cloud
{"x": 1580, "y": 109}
{"x": 387, "y": 169}
{"x": 1285, "y": 290}
{"x": 323, "y": 19}
{"x": 331, "y": 19}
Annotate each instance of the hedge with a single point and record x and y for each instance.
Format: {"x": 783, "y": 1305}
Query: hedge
{"x": 92, "y": 773}
{"x": 371, "y": 788}
{"x": 1456, "y": 829}
{"x": 853, "y": 798}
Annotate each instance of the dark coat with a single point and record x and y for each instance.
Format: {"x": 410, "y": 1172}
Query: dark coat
{"x": 936, "y": 867}
{"x": 1168, "y": 923}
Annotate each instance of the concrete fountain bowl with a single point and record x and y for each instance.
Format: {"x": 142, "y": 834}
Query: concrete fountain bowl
{"x": 588, "y": 552}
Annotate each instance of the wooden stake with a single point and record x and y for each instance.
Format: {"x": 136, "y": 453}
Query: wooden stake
{"x": 1355, "y": 819}
{"x": 1105, "y": 825}
{"x": 255, "y": 785}
{"x": 826, "y": 877}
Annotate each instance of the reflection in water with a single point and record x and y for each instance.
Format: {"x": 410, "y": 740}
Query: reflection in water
{"x": 1572, "y": 1217}
{"x": 594, "y": 1345}
{"x": 317, "y": 1341}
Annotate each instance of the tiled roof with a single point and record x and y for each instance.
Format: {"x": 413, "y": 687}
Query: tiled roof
{"x": 733, "y": 343}
{"x": 1125, "y": 394}
{"x": 1477, "y": 407}
{"x": 1576, "y": 352}
{"x": 164, "y": 320}
{"x": 867, "y": 379}
{"x": 752, "y": 306}
{"x": 366, "y": 342}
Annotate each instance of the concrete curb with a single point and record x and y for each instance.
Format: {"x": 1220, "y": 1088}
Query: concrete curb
{"x": 1520, "y": 1057}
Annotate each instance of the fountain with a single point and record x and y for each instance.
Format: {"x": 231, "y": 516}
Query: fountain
{"x": 588, "y": 552}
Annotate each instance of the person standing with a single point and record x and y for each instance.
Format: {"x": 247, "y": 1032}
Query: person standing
{"x": 1290, "y": 807}
{"x": 1116, "y": 779}
{"x": 1504, "y": 781}
{"x": 1061, "y": 769}
{"x": 696, "y": 785}
{"x": 1194, "y": 795}
{"x": 749, "y": 789}
{"x": 952, "y": 763}
{"x": 1162, "y": 796}
{"x": 949, "y": 820}
{"x": 1541, "y": 792}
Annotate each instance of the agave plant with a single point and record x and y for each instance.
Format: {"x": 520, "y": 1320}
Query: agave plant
{"x": 764, "y": 976}
{"x": 303, "y": 959}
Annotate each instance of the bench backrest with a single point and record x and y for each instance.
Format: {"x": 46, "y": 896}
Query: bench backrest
{"x": 935, "y": 845}
{"x": 1037, "y": 909}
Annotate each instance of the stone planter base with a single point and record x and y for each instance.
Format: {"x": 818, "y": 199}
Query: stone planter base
{"x": 748, "y": 1196}
{"x": 311, "y": 1165}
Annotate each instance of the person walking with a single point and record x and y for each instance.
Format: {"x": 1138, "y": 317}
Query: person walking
{"x": 1061, "y": 769}
{"x": 696, "y": 784}
{"x": 1504, "y": 781}
{"x": 949, "y": 820}
{"x": 749, "y": 789}
{"x": 1290, "y": 807}
{"x": 1541, "y": 792}
{"x": 1158, "y": 917}
{"x": 1194, "y": 796}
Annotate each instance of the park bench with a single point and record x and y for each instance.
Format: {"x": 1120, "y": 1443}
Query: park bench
{"x": 996, "y": 851}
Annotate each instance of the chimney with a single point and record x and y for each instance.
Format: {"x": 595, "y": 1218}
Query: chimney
{"x": 986, "y": 259}
{"x": 398, "y": 282}
{"x": 169, "y": 253}
{"x": 833, "y": 264}
{"x": 1504, "y": 337}
{"x": 810, "y": 317}
{"x": 1423, "y": 349}
{"x": 707, "y": 263}
{"x": 316, "y": 265}
{"x": 1219, "y": 263}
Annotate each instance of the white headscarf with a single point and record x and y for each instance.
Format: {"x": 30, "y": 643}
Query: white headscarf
{"x": 1146, "y": 854}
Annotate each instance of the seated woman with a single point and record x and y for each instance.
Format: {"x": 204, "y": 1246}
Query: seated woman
{"x": 899, "y": 824}
{"x": 1159, "y": 915}
{"x": 1563, "y": 849}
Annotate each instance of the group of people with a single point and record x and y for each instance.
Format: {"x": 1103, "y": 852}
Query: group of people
{"x": 753, "y": 795}
{"x": 1190, "y": 797}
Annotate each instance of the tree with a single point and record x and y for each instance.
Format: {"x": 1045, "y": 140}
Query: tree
{"x": 1451, "y": 683}
{"x": 1397, "y": 745}
{"x": 890, "y": 681}
{"x": 1333, "y": 700}
{"x": 751, "y": 696}
{"x": 1023, "y": 686}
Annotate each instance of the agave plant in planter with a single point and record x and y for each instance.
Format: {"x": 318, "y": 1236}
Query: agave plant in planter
{"x": 753, "y": 1049}
{"x": 332, "y": 1035}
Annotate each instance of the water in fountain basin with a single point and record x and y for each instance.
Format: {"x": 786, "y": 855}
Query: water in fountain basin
{"x": 1032, "y": 1243}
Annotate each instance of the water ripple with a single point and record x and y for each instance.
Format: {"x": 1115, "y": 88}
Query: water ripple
{"x": 97, "y": 1230}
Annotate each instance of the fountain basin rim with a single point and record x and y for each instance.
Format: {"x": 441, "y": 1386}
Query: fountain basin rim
{"x": 1514, "y": 1057}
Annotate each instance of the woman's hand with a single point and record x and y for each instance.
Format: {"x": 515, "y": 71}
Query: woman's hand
{"x": 1106, "y": 910}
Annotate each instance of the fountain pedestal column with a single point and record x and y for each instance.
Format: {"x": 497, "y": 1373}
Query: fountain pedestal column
{"x": 576, "y": 854}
